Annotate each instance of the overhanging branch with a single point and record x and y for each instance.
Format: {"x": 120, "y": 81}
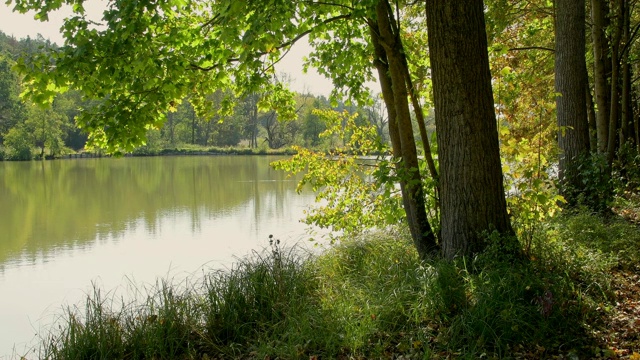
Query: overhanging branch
{"x": 531, "y": 48}
{"x": 279, "y": 47}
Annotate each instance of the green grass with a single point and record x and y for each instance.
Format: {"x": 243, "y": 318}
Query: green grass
{"x": 369, "y": 298}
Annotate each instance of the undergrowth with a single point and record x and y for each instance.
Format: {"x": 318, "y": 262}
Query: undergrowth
{"x": 369, "y": 298}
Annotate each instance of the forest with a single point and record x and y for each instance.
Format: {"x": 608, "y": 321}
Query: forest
{"x": 30, "y": 132}
{"x": 503, "y": 147}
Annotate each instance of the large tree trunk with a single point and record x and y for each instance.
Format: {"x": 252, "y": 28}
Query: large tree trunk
{"x": 570, "y": 82}
{"x": 472, "y": 191}
{"x": 394, "y": 93}
{"x": 600, "y": 59}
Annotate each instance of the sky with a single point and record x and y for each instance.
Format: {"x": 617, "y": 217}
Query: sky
{"x": 23, "y": 25}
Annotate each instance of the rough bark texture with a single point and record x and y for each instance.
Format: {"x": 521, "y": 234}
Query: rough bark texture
{"x": 472, "y": 191}
{"x": 570, "y": 70}
{"x": 599, "y": 24}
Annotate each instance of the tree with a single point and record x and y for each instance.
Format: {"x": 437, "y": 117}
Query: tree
{"x": 376, "y": 114}
{"x": 250, "y": 110}
{"x": 571, "y": 86}
{"x": 472, "y": 192}
{"x": 599, "y": 11}
{"x": 175, "y": 48}
{"x": 11, "y": 108}
{"x": 392, "y": 69}
{"x": 312, "y": 124}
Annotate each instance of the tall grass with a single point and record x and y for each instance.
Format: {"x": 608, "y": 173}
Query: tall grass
{"x": 368, "y": 298}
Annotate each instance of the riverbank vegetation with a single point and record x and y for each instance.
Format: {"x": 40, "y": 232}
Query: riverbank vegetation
{"x": 529, "y": 121}
{"x": 574, "y": 296}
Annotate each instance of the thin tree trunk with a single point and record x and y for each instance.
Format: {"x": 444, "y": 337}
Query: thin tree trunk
{"x": 472, "y": 190}
{"x": 424, "y": 136}
{"x": 626, "y": 116}
{"x": 600, "y": 47}
{"x": 615, "y": 92}
{"x": 403, "y": 145}
{"x": 417, "y": 109}
{"x": 591, "y": 119}
{"x": 636, "y": 113}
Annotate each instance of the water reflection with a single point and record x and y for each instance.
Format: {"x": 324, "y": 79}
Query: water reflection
{"x": 44, "y": 205}
{"x": 68, "y": 223}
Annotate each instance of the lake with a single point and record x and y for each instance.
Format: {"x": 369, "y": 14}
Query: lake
{"x": 68, "y": 224}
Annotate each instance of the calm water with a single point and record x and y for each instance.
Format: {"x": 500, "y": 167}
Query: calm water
{"x": 66, "y": 224}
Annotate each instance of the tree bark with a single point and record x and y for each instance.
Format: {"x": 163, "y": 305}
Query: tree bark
{"x": 600, "y": 47}
{"x": 615, "y": 91}
{"x": 591, "y": 118}
{"x": 636, "y": 111}
{"x": 388, "y": 63}
{"x": 472, "y": 190}
{"x": 625, "y": 106}
{"x": 570, "y": 83}
{"x": 417, "y": 109}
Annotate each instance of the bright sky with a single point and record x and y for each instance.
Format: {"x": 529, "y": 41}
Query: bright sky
{"x": 21, "y": 26}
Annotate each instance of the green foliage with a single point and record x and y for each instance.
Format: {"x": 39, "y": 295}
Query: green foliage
{"x": 600, "y": 244}
{"x": 12, "y": 110}
{"x": 18, "y": 146}
{"x": 313, "y": 125}
{"x": 523, "y": 77}
{"x": 626, "y": 170}
{"x": 594, "y": 188}
{"x": 355, "y": 190}
{"x": 166, "y": 52}
{"x": 532, "y": 197}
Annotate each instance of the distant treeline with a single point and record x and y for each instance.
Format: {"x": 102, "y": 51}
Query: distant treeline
{"x": 28, "y": 131}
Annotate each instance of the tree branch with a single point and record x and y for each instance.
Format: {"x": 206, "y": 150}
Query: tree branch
{"x": 279, "y": 47}
{"x": 531, "y": 48}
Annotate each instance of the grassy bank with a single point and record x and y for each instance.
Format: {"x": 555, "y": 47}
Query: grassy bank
{"x": 202, "y": 150}
{"x": 373, "y": 298}
{"x": 148, "y": 151}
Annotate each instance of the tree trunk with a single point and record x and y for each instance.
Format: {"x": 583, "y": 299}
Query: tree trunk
{"x": 570, "y": 83}
{"x": 600, "y": 47}
{"x": 472, "y": 192}
{"x": 615, "y": 91}
{"x": 636, "y": 113}
{"x": 591, "y": 118}
{"x": 401, "y": 132}
{"x": 417, "y": 109}
{"x": 626, "y": 115}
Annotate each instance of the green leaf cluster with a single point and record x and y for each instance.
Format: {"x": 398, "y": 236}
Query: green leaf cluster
{"x": 355, "y": 189}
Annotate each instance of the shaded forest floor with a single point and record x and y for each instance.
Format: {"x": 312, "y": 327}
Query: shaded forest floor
{"x": 615, "y": 335}
{"x": 618, "y": 334}
{"x": 621, "y": 330}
